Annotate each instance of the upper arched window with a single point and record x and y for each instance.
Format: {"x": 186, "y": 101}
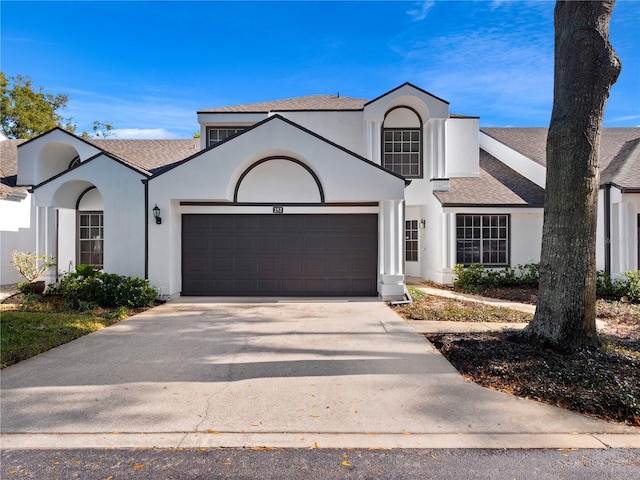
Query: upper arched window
{"x": 75, "y": 162}
{"x": 402, "y": 142}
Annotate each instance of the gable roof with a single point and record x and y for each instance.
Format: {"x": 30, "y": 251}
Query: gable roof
{"x": 407, "y": 84}
{"x": 296, "y": 104}
{"x": 497, "y": 185}
{"x": 140, "y": 154}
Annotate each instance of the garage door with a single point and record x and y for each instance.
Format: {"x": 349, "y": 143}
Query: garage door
{"x": 270, "y": 255}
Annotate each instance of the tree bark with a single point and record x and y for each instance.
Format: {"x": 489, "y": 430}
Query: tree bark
{"x": 585, "y": 68}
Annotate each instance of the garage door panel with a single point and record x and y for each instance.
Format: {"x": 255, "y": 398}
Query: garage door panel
{"x": 269, "y": 244}
{"x": 314, "y": 265}
{"x": 292, "y": 243}
{"x": 314, "y": 242}
{"x": 279, "y": 254}
{"x": 268, "y": 286}
{"x": 315, "y": 286}
{"x": 268, "y": 265}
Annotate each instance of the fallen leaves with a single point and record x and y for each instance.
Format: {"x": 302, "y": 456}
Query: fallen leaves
{"x": 604, "y": 382}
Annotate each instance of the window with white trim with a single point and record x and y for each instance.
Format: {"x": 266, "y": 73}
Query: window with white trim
{"x": 482, "y": 239}
{"x": 91, "y": 239}
{"x": 411, "y": 240}
{"x": 217, "y": 134}
{"x": 401, "y": 151}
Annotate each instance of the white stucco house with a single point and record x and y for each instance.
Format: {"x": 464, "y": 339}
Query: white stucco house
{"x": 321, "y": 195}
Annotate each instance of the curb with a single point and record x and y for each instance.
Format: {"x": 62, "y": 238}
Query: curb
{"x": 269, "y": 440}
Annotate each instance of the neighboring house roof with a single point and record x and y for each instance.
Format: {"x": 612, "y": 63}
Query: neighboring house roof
{"x": 497, "y": 185}
{"x": 149, "y": 154}
{"x": 616, "y": 147}
{"x": 145, "y": 154}
{"x": 9, "y": 157}
{"x": 306, "y": 103}
{"x": 624, "y": 169}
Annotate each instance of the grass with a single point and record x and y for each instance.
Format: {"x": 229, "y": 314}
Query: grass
{"x": 431, "y": 307}
{"x": 602, "y": 382}
{"x": 30, "y": 325}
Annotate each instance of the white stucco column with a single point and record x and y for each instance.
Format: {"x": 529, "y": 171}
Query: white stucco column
{"x": 46, "y": 237}
{"x": 435, "y": 148}
{"x": 391, "y": 250}
{"x": 624, "y": 250}
{"x": 448, "y": 240}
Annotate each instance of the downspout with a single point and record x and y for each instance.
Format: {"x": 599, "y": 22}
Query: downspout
{"x": 607, "y": 229}
{"x": 145, "y": 182}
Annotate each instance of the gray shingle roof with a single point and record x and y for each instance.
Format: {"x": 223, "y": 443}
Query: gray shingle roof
{"x": 306, "y": 103}
{"x": 624, "y": 168}
{"x": 145, "y": 154}
{"x": 619, "y": 152}
{"x": 497, "y": 185}
{"x": 9, "y": 157}
{"x": 149, "y": 154}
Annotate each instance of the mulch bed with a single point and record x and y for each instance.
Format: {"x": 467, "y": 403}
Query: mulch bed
{"x": 602, "y": 382}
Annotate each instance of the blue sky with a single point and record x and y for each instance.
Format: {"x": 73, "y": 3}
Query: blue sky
{"x": 147, "y": 67}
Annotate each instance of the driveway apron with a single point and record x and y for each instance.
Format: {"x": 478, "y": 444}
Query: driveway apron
{"x": 226, "y": 370}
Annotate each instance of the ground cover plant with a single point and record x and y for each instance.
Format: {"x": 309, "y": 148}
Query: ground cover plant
{"x": 80, "y": 303}
{"x": 32, "y": 324}
{"x": 603, "y": 382}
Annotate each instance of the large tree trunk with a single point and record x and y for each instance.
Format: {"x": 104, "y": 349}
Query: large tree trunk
{"x": 585, "y": 69}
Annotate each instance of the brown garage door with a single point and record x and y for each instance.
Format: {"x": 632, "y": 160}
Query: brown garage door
{"x": 270, "y": 255}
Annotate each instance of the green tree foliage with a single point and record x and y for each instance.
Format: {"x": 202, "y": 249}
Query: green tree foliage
{"x": 27, "y": 111}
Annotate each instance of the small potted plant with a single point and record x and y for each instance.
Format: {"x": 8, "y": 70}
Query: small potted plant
{"x": 31, "y": 266}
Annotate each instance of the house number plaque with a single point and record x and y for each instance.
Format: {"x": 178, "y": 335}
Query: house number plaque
{"x": 278, "y": 209}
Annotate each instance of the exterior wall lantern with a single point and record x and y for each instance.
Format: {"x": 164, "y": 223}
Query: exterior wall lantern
{"x": 156, "y": 214}
{"x": 423, "y": 223}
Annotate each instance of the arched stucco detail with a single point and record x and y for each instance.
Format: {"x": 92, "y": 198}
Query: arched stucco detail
{"x": 402, "y": 117}
{"x": 54, "y": 158}
{"x": 90, "y": 199}
{"x": 413, "y": 103}
{"x": 278, "y": 179}
{"x": 69, "y": 193}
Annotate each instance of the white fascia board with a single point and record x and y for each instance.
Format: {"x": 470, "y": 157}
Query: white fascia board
{"x": 516, "y": 161}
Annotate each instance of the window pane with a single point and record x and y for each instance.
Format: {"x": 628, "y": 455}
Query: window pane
{"x": 487, "y": 244}
{"x": 403, "y": 148}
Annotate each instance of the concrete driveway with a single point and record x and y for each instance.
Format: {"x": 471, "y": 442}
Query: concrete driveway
{"x": 202, "y": 372}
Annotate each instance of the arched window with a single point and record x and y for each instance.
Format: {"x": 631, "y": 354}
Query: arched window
{"x": 90, "y": 229}
{"x": 75, "y": 162}
{"x": 402, "y": 142}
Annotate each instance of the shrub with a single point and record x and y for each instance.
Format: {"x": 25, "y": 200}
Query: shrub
{"x": 619, "y": 287}
{"x": 30, "y": 265}
{"x": 469, "y": 279}
{"x": 104, "y": 290}
{"x": 476, "y": 278}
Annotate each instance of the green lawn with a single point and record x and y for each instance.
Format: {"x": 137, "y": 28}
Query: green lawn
{"x": 24, "y": 334}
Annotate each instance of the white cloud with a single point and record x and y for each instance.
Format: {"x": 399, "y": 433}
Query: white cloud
{"x": 133, "y": 116}
{"x": 142, "y": 133}
{"x": 421, "y": 10}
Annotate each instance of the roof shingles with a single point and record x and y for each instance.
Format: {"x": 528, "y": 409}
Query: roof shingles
{"x": 497, "y": 185}
{"x": 307, "y": 103}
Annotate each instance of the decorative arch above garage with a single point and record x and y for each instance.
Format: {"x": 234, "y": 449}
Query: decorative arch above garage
{"x": 279, "y": 179}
